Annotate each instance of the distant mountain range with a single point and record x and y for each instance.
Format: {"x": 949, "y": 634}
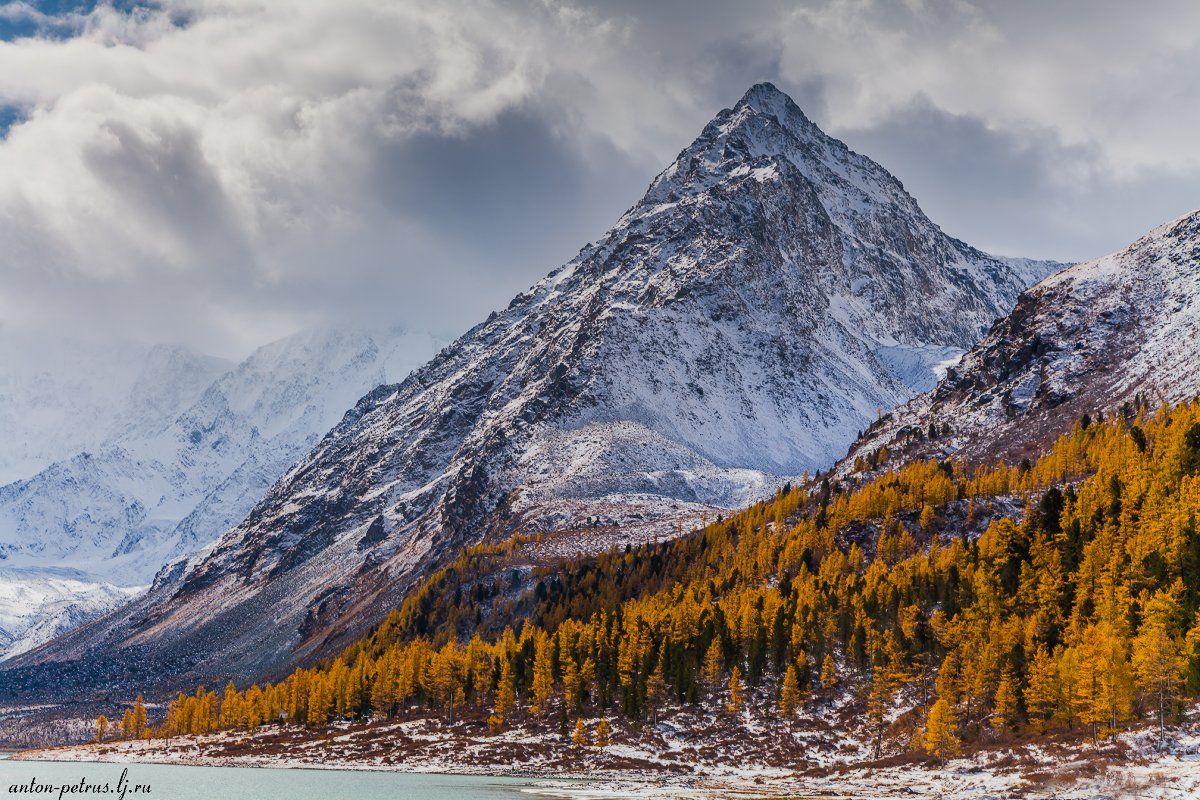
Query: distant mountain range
{"x": 58, "y": 399}
{"x": 179, "y": 467}
{"x": 771, "y": 294}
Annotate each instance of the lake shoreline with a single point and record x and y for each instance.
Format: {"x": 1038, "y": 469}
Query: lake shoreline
{"x": 1132, "y": 766}
{"x": 598, "y": 784}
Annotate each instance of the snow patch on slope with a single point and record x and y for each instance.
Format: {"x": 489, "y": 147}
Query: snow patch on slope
{"x": 919, "y": 368}
{"x": 37, "y": 605}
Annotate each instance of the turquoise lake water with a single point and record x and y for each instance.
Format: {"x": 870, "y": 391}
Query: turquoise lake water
{"x": 169, "y": 782}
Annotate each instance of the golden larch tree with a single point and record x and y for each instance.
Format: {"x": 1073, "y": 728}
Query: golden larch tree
{"x": 713, "y": 663}
{"x": 789, "y": 694}
{"x": 1005, "y": 707}
{"x": 829, "y": 672}
{"x": 579, "y": 737}
{"x": 941, "y": 739}
{"x": 543, "y": 675}
{"x": 1158, "y": 657}
{"x": 1042, "y": 693}
{"x": 735, "y": 691}
{"x": 603, "y": 733}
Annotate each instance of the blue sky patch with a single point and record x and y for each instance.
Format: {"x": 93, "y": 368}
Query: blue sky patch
{"x": 53, "y": 19}
{"x": 10, "y": 115}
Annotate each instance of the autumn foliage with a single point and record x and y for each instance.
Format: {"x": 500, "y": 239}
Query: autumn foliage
{"x": 1057, "y": 594}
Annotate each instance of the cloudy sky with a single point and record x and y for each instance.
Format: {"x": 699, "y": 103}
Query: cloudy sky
{"x": 222, "y": 172}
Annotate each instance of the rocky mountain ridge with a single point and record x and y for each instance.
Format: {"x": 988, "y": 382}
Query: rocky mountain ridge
{"x": 1114, "y": 334}
{"x": 763, "y": 301}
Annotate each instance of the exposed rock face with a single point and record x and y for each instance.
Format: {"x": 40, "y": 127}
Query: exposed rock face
{"x": 770, "y": 294}
{"x": 1122, "y": 328}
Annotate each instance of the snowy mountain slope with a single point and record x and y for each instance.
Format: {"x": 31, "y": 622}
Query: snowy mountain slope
{"x": 162, "y": 490}
{"x": 38, "y": 604}
{"x": 58, "y": 399}
{"x": 1090, "y": 338}
{"x": 761, "y": 303}
{"x": 120, "y": 511}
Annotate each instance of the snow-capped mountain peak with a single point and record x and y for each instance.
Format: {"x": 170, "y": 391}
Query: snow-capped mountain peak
{"x": 738, "y": 325}
{"x": 766, "y": 98}
{"x": 58, "y": 398}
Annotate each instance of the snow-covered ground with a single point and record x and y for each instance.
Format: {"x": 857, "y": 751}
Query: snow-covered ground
{"x": 691, "y": 754}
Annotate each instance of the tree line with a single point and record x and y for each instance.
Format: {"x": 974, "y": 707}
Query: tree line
{"x": 1079, "y": 612}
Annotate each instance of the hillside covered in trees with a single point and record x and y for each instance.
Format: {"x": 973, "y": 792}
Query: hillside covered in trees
{"x": 985, "y": 603}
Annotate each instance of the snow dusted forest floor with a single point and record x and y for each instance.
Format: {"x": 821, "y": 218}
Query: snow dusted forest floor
{"x": 692, "y": 754}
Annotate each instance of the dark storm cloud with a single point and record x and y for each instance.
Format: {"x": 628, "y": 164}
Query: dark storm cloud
{"x": 512, "y": 184}
{"x": 165, "y": 180}
{"x": 220, "y": 173}
{"x": 1021, "y": 192}
{"x": 460, "y": 223}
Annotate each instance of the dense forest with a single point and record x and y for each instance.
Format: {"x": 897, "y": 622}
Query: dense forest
{"x": 1058, "y": 594}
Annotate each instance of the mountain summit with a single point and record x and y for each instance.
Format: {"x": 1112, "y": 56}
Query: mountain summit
{"x": 753, "y": 311}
